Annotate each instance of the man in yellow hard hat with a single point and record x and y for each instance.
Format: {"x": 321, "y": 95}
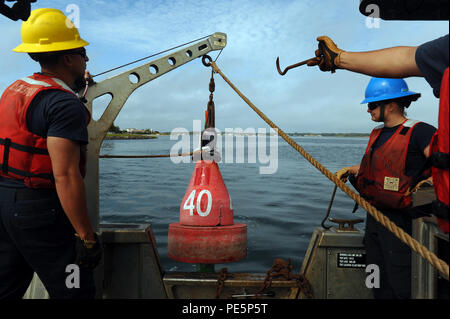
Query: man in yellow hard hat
{"x": 44, "y": 223}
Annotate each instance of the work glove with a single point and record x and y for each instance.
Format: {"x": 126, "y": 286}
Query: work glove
{"x": 88, "y": 253}
{"x": 89, "y": 78}
{"x": 329, "y": 54}
{"x": 428, "y": 181}
{"x": 343, "y": 173}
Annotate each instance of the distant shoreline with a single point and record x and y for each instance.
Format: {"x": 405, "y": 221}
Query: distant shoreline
{"x": 127, "y": 136}
{"x": 331, "y": 134}
{"x": 290, "y": 134}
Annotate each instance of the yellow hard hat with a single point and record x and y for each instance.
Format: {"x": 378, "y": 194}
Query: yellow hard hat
{"x": 48, "y": 30}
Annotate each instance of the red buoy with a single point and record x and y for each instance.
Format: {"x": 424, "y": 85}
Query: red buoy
{"x": 206, "y": 232}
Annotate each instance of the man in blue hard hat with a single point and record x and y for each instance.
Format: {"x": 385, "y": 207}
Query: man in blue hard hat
{"x": 396, "y": 152}
{"x": 429, "y": 60}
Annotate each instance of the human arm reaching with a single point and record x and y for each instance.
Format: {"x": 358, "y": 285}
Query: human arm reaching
{"x": 395, "y": 62}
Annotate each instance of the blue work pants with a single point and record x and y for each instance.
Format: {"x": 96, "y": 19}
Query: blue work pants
{"x": 36, "y": 236}
{"x": 390, "y": 254}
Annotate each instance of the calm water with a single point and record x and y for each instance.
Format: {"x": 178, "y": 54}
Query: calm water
{"x": 281, "y": 210}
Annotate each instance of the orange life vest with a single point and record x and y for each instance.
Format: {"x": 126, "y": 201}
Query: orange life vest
{"x": 439, "y": 157}
{"x": 24, "y": 155}
{"x": 381, "y": 179}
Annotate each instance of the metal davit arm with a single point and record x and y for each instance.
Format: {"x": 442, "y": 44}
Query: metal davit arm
{"x": 120, "y": 87}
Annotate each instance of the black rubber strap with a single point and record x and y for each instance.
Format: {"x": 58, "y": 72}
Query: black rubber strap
{"x": 6, "y": 146}
{"x": 28, "y": 174}
{"x": 23, "y": 148}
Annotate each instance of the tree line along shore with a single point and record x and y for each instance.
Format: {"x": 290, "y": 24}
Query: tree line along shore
{"x": 153, "y": 135}
{"x": 115, "y": 132}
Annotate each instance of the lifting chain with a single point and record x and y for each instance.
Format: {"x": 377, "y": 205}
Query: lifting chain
{"x": 210, "y": 138}
{"x": 210, "y": 111}
{"x": 221, "y": 281}
{"x": 282, "y": 269}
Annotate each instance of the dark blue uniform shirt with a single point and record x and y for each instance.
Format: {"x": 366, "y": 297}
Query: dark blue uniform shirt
{"x": 420, "y": 138}
{"x": 432, "y": 60}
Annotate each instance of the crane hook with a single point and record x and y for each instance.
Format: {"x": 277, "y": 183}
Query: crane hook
{"x": 293, "y": 65}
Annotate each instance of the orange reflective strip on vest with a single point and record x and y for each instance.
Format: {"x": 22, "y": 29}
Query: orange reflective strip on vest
{"x": 440, "y": 146}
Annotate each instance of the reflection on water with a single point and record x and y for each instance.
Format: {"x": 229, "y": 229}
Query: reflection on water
{"x": 281, "y": 210}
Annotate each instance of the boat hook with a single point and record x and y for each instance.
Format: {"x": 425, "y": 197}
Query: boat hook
{"x": 293, "y": 65}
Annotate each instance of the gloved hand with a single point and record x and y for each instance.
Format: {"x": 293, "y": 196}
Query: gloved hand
{"x": 88, "y": 254}
{"x": 88, "y": 77}
{"x": 329, "y": 54}
{"x": 343, "y": 173}
{"x": 428, "y": 181}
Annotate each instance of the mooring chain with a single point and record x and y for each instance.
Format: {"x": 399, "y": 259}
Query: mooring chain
{"x": 439, "y": 264}
{"x": 283, "y": 270}
{"x": 304, "y": 286}
{"x": 221, "y": 281}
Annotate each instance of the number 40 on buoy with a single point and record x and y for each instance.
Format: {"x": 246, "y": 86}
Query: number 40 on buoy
{"x": 189, "y": 203}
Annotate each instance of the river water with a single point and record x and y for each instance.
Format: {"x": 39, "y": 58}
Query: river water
{"x": 281, "y": 209}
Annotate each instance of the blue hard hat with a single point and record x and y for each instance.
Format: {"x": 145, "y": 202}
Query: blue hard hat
{"x": 380, "y": 89}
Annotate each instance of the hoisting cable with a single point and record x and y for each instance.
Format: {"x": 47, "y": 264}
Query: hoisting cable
{"x": 149, "y": 156}
{"x": 217, "y": 57}
{"x": 155, "y": 54}
{"x": 439, "y": 264}
{"x": 144, "y": 156}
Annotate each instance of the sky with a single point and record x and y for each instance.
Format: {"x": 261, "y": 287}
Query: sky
{"x": 258, "y": 31}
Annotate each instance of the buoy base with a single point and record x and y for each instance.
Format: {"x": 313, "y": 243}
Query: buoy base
{"x": 207, "y": 245}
